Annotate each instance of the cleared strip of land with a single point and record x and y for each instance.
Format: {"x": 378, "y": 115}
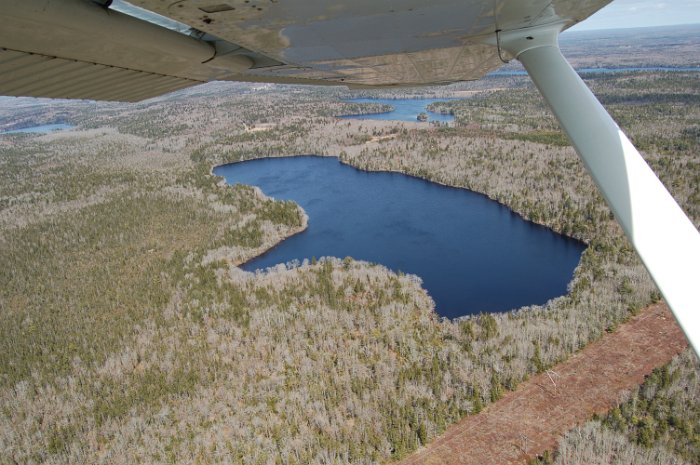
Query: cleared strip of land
{"x": 529, "y": 420}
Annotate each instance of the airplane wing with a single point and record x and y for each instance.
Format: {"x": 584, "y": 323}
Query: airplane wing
{"x": 87, "y": 49}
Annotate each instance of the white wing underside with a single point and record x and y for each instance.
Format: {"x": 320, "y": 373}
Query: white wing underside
{"x": 79, "y": 49}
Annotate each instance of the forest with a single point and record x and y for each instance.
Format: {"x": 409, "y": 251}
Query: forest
{"x": 128, "y": 334}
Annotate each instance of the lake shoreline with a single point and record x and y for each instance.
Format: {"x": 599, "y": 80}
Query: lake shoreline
{"x": 404, "y": 112}
{"x": 413, "y": 176}
{"x": 265, "y": 248}
{"x": 449, "y": 303}
{"x": 483, "y": 194}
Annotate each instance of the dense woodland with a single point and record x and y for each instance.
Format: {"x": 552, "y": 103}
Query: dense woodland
{"x": 129, "y": 335}
{"x": 656, "y": 425}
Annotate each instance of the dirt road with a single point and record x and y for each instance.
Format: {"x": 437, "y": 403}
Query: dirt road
{"x": 529, "y": 420}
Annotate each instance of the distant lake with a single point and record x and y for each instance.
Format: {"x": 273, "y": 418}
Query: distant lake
{"x": 404, "y": 109}
{"x": 44, "y": 128}
{"x": 473, "y": 254}
{"x": 521, "y": 72}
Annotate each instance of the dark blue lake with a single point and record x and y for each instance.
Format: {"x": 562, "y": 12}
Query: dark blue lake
{"x": 404, "y": 109}
{"x": 473, "y": 254}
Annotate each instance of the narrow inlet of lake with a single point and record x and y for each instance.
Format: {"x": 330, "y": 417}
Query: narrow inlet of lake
{"x": 473, "y": 254}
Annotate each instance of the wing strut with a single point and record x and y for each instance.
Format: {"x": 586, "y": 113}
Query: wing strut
{"x": 665, "y": 239}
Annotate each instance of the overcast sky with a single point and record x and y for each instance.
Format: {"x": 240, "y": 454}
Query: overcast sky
{"x": 643, "y": 13}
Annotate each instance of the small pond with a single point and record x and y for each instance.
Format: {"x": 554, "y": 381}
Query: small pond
{"x": 473, "y": 254}
{"x": 44, "y": 128}
{"x": 404, "y": 110}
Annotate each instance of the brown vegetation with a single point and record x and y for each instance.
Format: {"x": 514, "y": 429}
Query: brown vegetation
{"x": 527, "y": 422}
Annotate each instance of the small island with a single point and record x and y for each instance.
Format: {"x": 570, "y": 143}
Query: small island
{"x": 422, "y": 117}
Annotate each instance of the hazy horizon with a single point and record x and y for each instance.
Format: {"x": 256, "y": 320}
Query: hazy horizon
{"x": 629, "y": 14}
